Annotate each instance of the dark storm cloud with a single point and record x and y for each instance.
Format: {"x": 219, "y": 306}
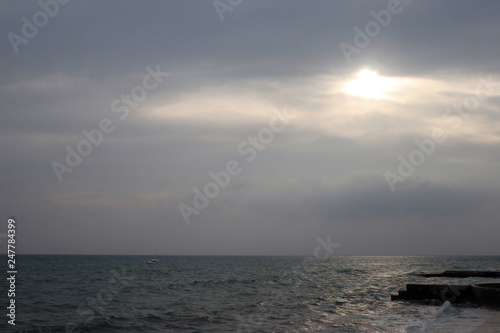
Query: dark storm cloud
{"x": 363, "y": 201}
{"x": 254, "y": 40}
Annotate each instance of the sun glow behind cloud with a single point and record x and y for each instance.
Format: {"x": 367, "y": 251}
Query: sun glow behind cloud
{"x": 368, "y": 84}
{"x": 363, "y": 105}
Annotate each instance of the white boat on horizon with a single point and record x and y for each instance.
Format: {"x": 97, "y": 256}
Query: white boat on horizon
{"x": 153, "y": 261}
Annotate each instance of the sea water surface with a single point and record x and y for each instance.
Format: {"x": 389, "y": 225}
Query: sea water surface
{"x": 228, "y": 294}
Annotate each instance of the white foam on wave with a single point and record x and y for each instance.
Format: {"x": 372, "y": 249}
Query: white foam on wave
{"x": 446, "y": 305}
{"x": 444, "y": 314}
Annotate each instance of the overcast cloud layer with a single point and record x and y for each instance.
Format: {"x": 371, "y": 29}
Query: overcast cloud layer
{"x": 328, "y": 160}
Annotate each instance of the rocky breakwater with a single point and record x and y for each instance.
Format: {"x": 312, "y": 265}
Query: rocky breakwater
{"x": 462, "y": 274}
{"x": 487, "y": 294}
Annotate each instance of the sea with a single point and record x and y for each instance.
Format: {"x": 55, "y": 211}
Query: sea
{"x": 66, "y": 293}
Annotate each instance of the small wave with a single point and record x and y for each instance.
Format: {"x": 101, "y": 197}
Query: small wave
{"x": 202, "y": 318}
{"x": 229, "y": 281}
{"x": 154, "y": 317}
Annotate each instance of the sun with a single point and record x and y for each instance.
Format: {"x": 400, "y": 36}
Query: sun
{"x": 368, "y": 84}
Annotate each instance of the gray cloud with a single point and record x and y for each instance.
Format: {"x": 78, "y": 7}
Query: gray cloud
{"x": 322, "y": 174}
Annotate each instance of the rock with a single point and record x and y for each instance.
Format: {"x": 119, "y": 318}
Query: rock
{"x": 462, "y": 274}
{"x": 480, "y": 294}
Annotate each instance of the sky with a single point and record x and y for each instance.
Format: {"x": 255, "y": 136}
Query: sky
{"x": 236, "y": 127}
